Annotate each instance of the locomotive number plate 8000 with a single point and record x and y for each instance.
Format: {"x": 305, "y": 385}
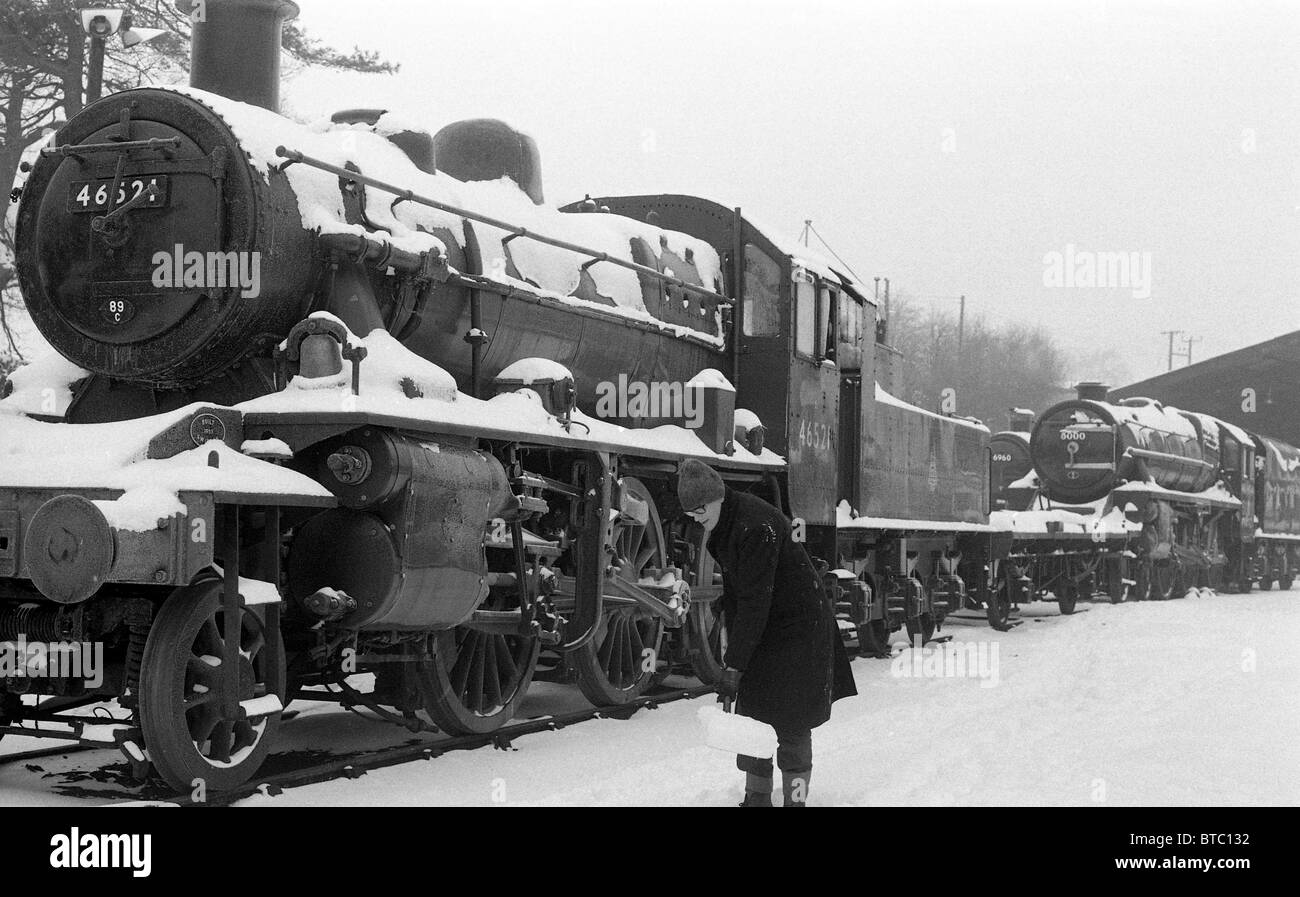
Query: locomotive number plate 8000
{"x": 93, "y": 196}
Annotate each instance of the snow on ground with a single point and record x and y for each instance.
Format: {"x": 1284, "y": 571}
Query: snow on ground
{"x": 1190, "y": 702}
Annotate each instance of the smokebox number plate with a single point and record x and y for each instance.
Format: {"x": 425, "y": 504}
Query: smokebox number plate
{"x": 93, "y": 196}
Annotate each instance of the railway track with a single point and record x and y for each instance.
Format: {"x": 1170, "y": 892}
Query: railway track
{"x": 353, "y": 766}
{"x": 356, "y": 764}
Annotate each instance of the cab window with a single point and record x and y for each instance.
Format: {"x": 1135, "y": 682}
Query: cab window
{"x": 762, "y": 306}
{"x": 827, "y": 315}
{"x": 849, "y": 351}
{"x": 805, "y": 319}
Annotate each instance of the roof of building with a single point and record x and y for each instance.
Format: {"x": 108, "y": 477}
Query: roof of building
{"x": 1262, "y": 377}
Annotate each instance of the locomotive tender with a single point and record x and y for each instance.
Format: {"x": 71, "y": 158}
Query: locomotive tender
{"x": 388, "y": 461}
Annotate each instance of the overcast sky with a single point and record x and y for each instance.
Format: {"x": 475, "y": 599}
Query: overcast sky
{"x": 949, "y": 146}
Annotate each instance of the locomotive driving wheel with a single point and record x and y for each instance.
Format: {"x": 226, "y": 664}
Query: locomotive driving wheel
{"x": 473, "y": 681}
{"x": 188, "y": 733}
{"x": 620, "y": 661}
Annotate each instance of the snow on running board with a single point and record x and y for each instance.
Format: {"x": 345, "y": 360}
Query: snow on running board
{"x": 737, "y": 734}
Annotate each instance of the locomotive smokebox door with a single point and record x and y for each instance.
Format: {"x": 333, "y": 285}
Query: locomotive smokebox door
{"x": 151, "y": 249}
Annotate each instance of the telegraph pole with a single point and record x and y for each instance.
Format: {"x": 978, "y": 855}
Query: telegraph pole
{"x": 1188, "y": 340}
{"x": 1171, "y": 334}
{"x": 961, "y": 332}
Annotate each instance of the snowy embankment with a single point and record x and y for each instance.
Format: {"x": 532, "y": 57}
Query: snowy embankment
{"x": 1182, "y": 702}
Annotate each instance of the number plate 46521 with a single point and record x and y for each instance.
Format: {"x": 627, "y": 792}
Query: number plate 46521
{"x": 93, "y": 196}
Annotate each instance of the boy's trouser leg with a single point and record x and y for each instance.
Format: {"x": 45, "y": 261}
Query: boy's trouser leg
{"x": 794, "y": 757}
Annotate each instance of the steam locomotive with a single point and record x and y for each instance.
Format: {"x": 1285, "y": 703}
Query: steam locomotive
{"x": 331, "y": 402}
{"x": 1140, "y": 499}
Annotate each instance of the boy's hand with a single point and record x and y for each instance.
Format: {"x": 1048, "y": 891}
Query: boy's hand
{"x": 729, "y": 685}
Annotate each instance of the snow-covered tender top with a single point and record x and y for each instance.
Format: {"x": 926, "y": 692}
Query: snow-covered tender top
{"x": 887, "y": 399}
{"x": 711, "y": 378}
{"x": 530, "y": 370}
{"x": 556, "y": 272}
{"x": 847, "y": 517}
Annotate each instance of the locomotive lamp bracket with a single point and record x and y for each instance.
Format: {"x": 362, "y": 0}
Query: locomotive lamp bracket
{"x": 292, "y": 352}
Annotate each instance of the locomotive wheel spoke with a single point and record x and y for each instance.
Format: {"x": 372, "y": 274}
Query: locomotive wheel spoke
{"x": 203, "y": 722}
{"x": 475, "y": 682}
{"x": 491, "y": 678}
{"x": 506, "y": 666}
{"x": 221, "y": 741}
{"x": 618, "y": 641}
{"x": 210, "y": 639}
{"x": 200, "y": 671}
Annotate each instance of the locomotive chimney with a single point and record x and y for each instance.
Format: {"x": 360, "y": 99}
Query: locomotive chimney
{"x": 1092, "y": 390}
{"x": 235, "y": 47}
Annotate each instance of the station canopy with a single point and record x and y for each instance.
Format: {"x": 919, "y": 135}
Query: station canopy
{"x": 1219, "y": 386}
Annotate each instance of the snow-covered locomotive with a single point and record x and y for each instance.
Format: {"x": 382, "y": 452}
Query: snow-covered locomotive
{"x": 335, "y": 399}
{"x": 1141, "y": 499}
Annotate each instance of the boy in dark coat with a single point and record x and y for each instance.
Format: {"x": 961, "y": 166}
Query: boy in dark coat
{"x": 784, "y": 661}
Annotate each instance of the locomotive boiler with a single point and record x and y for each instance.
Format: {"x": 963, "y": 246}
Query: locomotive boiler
{"x": 156, "y": 201}
{"x": 1083, "y": 448}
